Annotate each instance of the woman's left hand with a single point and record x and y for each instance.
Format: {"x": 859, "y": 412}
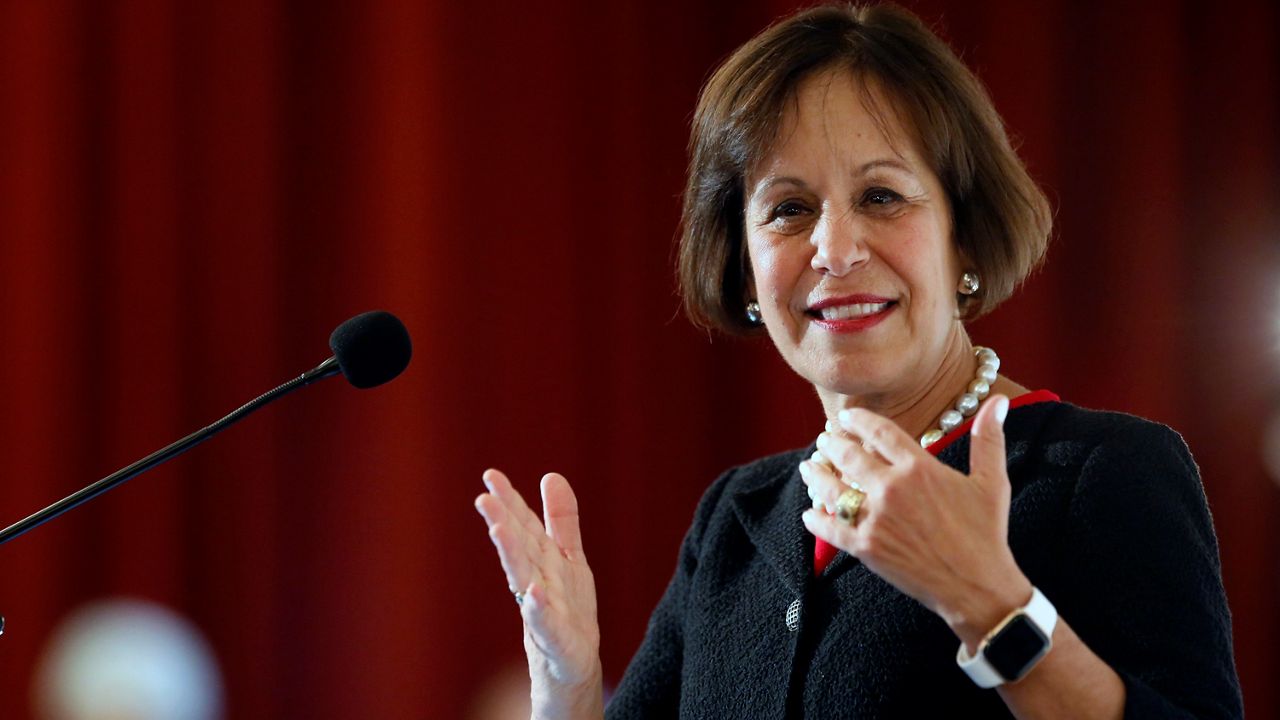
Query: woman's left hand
{"x": 934, "y": 533}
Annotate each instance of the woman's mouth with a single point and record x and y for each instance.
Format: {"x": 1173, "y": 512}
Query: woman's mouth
{"x": 847, "y": 316}
{"x": 849, "y": 312}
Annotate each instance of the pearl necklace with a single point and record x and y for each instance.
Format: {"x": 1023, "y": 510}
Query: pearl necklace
{"x": 967, "y": 404}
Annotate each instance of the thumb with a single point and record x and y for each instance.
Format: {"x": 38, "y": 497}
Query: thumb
{"x": 986, "y": 444}
{"x": 560, "y": 513}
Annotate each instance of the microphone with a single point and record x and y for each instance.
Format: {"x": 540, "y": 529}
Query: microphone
{"x": 369, "y": 350}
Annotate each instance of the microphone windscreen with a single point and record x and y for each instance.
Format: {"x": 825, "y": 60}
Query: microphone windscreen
{"x": 371, "y": 348}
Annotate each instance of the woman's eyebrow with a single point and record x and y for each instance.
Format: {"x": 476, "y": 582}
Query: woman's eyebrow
{"x": 771, "y": 182}
{"x": 892, "y": 163}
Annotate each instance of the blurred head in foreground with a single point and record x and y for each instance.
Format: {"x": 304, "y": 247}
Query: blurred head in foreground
{"x": 504, "y": 696}
{"x": 127, "y": 660}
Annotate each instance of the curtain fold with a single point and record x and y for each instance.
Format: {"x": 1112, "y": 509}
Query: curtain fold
{"x": 193, "y": 196}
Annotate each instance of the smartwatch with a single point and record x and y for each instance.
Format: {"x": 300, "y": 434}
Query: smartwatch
{"x": 1009, "y": 651}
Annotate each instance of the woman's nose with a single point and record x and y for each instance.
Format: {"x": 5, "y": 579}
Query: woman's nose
{"x": 838, "y": 244}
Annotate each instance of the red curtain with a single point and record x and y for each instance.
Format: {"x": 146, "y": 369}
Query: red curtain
{"x": 193, "y": 195}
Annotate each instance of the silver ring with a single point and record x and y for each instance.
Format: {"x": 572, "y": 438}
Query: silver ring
{"x": 519, "y": 597}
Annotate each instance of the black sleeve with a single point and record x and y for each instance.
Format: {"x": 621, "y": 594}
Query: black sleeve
{"x": 1145, "y": 580}
{"x": 650, "y": 688}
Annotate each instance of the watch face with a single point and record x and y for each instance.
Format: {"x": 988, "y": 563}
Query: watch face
{"x": 1016, "y": 647}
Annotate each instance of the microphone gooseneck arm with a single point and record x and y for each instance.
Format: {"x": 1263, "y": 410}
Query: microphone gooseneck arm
{"x": 368, "y": 349}
{"x": 325, "y": 369}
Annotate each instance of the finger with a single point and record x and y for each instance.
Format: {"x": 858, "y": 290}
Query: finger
{"x": 521, "y": 517}
{"x": 560, "y": 509}
{"x": 506, "y": 537}
{"x": 849, "y": 456}
{"x": 501, "y": 487}
{"x": 544, "y": 627}
{"x": 490, "y": 508}
{"x": 825, "y": 485}
{"x": 986, "y": 446}
{"x": 879, "y": 434}
{"x": 832, "y": 428}
{"x": 822, "y": 484}
{"x": 529, "y": 534}
{"x": 521, "y": 548}
{"x": 821, "y": 459}
{"x": 827, "y": 527}
{"x": 533, "y": 609}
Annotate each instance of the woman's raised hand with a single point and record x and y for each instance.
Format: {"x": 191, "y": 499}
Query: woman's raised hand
{"x": 547, "y": 571}
{"x": 936, "y": 534}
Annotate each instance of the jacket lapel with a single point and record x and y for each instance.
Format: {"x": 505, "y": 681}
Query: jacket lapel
{"x": 769, "y": 512}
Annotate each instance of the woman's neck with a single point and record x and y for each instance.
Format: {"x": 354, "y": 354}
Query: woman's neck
{"x": 917, "y": 410}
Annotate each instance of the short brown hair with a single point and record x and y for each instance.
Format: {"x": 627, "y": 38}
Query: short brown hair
{"x": 1001, "y": 219}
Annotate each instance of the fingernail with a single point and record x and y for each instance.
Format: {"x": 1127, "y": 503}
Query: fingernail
{"x": 831, "y": 426}
{"x": 488, "y": 485}
{"x": 1002, "y": 409}
{"x": 823, "y": 439}
{"x": 844, "y": 416}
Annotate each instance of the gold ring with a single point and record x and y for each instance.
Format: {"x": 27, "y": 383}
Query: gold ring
{"x": 848, "y": 504}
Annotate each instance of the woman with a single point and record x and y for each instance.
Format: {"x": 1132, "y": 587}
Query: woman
{"x": 852, "y": 191}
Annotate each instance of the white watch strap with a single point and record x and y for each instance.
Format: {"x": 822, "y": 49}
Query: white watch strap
{"x": 1039, "y": 611}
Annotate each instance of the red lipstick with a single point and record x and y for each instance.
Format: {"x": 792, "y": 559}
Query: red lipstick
{"x": 853, "y": 324}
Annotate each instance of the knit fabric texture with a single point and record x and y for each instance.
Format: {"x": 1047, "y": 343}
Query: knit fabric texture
{"x": 1108, "y": 519}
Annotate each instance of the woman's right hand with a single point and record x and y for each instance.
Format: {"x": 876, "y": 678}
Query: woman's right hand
{"x": 545, "y": 565}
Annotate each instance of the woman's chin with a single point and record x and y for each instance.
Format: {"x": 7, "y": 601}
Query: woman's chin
{"x": 859, "y": 382}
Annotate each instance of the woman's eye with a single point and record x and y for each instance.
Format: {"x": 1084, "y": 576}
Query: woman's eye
{"x": 788, "y": 210}
{"x": 880, "y": 196}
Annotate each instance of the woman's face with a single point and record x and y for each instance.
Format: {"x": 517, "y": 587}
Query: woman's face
{"x": 849, "y": 237}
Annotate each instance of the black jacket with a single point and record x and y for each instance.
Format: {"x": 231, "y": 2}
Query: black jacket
{"x": 1108, "y": 519}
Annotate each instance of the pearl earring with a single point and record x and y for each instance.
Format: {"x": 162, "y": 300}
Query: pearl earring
{"x": 753, "y": 313}
{"x": 969, "y": 283}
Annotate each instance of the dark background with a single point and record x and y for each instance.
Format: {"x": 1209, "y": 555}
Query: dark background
{"x": 193, "y": 194}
